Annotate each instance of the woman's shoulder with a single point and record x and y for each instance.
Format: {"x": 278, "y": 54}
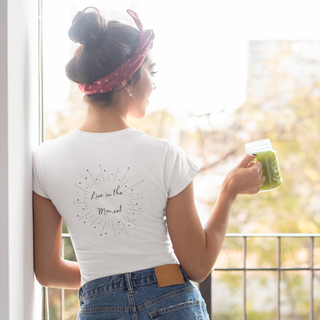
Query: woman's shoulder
{"x": 167, "y": 145}
{"x": 54, "y": 143}
{"x": 151, "y": 139}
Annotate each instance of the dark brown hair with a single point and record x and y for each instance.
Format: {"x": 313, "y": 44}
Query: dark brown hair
{"x": 104, "y": 47}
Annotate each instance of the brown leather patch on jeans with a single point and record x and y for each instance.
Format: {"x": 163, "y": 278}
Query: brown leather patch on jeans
{"x": 168, "y": 275}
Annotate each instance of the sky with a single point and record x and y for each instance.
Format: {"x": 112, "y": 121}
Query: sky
{"x": 200, "y": 46}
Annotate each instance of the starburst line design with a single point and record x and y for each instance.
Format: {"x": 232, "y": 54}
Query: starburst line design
{"x": 91, "y": 177}
{"x": 85, "y": 215}
{"x": 116, "y": 174}
{"x": 101, "y": 172}
{"x": 135, "y": 199}
{"x": 113, "y": 229}
{"x": 82, "y": 189}
{"x": 94, "y": 222}
{"x": 124, "y": 228}
{"x": 126, "y": 181}
{"x": 103, "y": 226}
{"x": 115, "y": 218}
{"x": 133, "y": 186}
{"x": 125, "y": 175}
{"x": 130, "y": 221}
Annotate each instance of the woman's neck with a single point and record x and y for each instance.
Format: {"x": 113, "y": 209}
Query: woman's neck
{"x": 107, "y": 119}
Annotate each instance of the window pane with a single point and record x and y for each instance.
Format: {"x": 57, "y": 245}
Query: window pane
{"x": 227, "y": 295}
{"x": 226, "y": 77}
{"x": 262, "y": 252}
{"x": 231, "y": 255}
{"x": 295, "y": 252}
{"x": 295, "y": 293}
{"x": 261, "y": 295}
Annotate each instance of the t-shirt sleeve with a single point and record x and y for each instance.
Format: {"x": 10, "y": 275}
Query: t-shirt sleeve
{"x": 38, "y": 173}
{"x": 179, "y": 170}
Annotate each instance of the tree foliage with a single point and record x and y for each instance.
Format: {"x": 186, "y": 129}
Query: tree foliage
{"x": 283, "y": 108}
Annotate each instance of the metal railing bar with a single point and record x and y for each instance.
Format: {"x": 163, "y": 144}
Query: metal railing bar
{"x": 298, "y": 269}
{"x": 266, "y": 269}
{"x": 244, "y": 278}
{"x": 272, "y": 235}
{"x": 43, "y": 313}
{"x": 311, "y": 277}
{"x": 62, "y": 290}
{"x": 205, "y": 288}
{"x": 278, "y": 276}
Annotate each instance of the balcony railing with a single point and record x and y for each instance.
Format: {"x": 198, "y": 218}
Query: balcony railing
{"x": 206, "y": 286}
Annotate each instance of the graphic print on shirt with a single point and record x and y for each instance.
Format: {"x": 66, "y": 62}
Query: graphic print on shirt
{"x": 108, "y": 200}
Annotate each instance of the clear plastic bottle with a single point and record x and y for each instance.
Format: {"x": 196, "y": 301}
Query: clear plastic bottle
{"x": 268, "y": 157}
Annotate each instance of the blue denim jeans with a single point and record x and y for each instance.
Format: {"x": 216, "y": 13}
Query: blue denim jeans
{"x": 137, "y": 296}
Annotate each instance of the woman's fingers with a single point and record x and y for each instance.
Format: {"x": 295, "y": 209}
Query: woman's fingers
{"x": 257, "y": 178}
{"x": 251, "y": 164}
{"x": 247, "y": 177}
{"x": 246, "y": 161}
{"x": 263, "y": 179}
{"x": 257, "y": 191}
{"x": 258, "y": 166}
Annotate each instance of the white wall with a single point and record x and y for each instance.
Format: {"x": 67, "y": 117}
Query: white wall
{"x": 19, "y": 291}
{"x": 4, "y": 246}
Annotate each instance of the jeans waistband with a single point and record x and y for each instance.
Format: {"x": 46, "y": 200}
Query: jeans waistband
{"x": 128, "y": 281}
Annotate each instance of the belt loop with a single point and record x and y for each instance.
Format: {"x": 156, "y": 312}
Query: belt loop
{"x": 129, "y": 282}
{"x": 184, "y": 275}
{"x": 80, "y": 296}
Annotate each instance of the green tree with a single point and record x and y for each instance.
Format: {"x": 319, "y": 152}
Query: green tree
{"x": 284, "y": 110}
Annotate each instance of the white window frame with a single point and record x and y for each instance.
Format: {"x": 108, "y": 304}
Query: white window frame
{"x": 19, "y": 290}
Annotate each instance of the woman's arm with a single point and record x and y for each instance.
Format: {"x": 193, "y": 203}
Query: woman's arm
{"x": 50, "y": 269}
{"x": 197, "y": 248}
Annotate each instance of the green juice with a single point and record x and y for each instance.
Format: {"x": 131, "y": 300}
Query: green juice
{"x": 271, "y": 170}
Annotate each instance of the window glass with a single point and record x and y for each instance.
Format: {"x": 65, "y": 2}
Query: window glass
{"x": 229, "y": 72}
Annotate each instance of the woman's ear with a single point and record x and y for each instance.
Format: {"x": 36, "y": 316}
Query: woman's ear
{"x": 127, "y": 84}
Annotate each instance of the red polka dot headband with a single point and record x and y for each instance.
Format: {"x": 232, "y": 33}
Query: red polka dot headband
{"x": 124, "y": 71}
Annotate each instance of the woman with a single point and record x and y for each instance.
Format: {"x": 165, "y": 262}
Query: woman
{"x": 127, "y": 198}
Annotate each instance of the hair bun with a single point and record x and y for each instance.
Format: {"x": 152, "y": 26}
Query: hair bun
{"x": 85, "y": 26}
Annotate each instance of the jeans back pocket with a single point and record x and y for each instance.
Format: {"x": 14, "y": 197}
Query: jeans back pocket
{"x": 187, "y": 311}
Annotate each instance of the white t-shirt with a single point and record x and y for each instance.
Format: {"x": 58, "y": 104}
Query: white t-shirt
{"x": 111, "y": 190}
